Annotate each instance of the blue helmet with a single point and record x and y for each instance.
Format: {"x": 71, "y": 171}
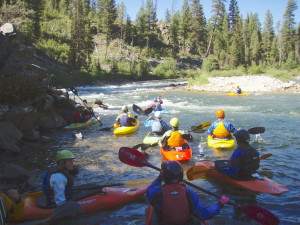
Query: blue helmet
{"x": 172, "y": 171}
{"x": 154, "y": 99}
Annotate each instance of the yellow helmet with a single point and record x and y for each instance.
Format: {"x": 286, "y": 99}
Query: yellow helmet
{"x": 174, "y": 122}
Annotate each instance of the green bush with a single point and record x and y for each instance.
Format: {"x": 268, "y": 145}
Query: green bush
{"x": 256, "y": 70}
{"x": 166, "y": 69}
{"x": 210, "y": 65}
{"x": 199, "y": 79}
{"x": 291, "y": 62}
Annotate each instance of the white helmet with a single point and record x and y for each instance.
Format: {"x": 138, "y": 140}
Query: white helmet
{"x": 157, "y": 114}
{"x": 77, "y": 105}
{"x": 124, "y": 108}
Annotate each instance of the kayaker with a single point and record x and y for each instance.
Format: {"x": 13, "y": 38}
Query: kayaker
{"x": 174, "y": 137}
{"x": 173, "y": 202}
{"x": 10, "y": 205}
{"x": 244, "y": 161}
{"x": 238, "y": 90}
{"x": 79, "y": 116}
{"x": 156, "y": 104}
{"x": 58, "y": 183}
{"x": 158, "y": 126}
{"x": 125, "y": 119}
{"x": 221, "y": 128}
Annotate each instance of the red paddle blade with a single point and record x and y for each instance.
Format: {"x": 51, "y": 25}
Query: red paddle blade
{"x": 257, "y": 130}
{"x": 132, "y": 157}
{"x": 260, "y": 215}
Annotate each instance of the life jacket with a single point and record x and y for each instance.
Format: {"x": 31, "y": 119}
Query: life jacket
{"x": 158, "y": 107}
{"x": 124, "y": 120}
{"x": 156, "y": 126}
{"x": 3, "y": 211}
{"x": 176, "y": 208}
{"x": 220, "y": 131}
{"x": 176, "y": 139}
{"x": 48, "y": 190}
{"x": 250, "y": 161}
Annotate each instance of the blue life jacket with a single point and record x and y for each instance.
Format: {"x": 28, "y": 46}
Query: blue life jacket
{"x": 48, "y": 190}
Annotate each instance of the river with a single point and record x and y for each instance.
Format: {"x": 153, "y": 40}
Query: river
{"x": 97, "y": 152}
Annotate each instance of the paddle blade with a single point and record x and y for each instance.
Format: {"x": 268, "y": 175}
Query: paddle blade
{"x": 204, "y": 125}
{"x": 265, "y": 156}
{"x": 106, "y": 128}
{"x": 140, "y": 182}
{"x": 74, "y": 90}
{"x": 257, "y": 130}
{"x": 147, "y": 111}
{"x": 132, "y": 157}
{"x": 260, "y": 215}
{"x": 196, "y": 129}
{"x": 196, "y": 172}
{"x": 138, "y": 110}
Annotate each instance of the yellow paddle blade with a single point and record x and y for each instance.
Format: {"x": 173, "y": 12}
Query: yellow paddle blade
{"x": 140, "y": 182}
{"x": 196, "y": 172}
{"x": 204, "y": 125}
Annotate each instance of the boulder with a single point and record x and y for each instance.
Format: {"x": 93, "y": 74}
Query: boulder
{"x": 31, "y": 135}
{"x": 9, "y": 137}
{"x": 51, "y": 121}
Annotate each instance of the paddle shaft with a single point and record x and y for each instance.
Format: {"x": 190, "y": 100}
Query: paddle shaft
{"x": 86, "y": 106}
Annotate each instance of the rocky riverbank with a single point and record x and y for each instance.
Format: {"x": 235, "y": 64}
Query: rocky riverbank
{"x": 255, "y": 83}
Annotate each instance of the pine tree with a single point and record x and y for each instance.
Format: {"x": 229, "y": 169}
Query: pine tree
{"x": 185, "y": 24}
{"x": 268, "y": 37}
{"x": 37, "y": 17}
{"x": 198, "y": 35}
{"x": 168, "y": 16}
{"x": 233, "y": 14}
{"x": 174, "y": 34}
{"x": 107, "y": 17}
{"x": 288, "y": 30}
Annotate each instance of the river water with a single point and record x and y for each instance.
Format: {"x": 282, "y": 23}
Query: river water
{"x": 97, "y": 152}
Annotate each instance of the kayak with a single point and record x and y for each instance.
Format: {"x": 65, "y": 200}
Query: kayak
{"x": 220, "y": 143}
{"x": 165, "y": 111}
{"x": 181, "y": 153}
{"x": 81, "y": 125}
{"x": 264, "y": 185}
{"x": 94, "y": 200}
{"x": 126, "y": 130}
{"x": 235, "y": 94}
{"x": 151, "y": 218}
{"x": 152, "y": 138}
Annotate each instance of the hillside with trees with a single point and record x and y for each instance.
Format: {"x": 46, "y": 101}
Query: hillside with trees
{"x": 96, "y": 40}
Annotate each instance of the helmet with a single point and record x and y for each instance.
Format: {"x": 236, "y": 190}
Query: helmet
{"x": 154, "y": 99}
{"x": 174, "y": 122}
{"x": 157, "y": 114}
{"x": 172, "y": 171}
{"x": 124, "y": 108}
{"x": 242, "y": 136}
{"x": 64, "y": 154}
{"x": 77, "y": 105}
{"x": 238, "y": 86}
{"x": 220, "y": 113}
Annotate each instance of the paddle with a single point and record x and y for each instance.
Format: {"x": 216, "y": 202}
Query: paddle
{"x": 256, "y": 130}
{"x": 86, "y": 106}
{"x": 144, "y": 146}
{"x": 196, "y": 172}
{"x": 140, "y": 111}
{"x": 135, "y": 158}
{"x": 106, "y": 128}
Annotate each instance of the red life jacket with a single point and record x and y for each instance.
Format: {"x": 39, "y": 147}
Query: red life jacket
{"x": 175, "y": 204}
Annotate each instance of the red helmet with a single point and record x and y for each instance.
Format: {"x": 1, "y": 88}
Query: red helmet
{"x": 220, "y": 114}
{"x": 172, "y": 172}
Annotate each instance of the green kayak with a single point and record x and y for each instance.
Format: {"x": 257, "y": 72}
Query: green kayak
{"x": 152, "y": 138}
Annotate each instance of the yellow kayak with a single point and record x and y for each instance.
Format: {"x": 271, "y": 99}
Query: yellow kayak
{"x": 81, "y": 125}
{"x": 126, "y": 130}
{"x": 235, "y": 94}
{"x": 220, "y": 143}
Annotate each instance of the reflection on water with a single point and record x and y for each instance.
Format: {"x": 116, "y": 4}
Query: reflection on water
{"x": 97, "y": 151}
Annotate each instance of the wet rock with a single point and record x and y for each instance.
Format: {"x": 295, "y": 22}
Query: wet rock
{"x": 9, "y": 137}
{"x": 31, "y": 135}
{"x": 52, "y": 121}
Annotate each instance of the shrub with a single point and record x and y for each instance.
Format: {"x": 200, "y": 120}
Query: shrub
{"x": 166, "y": 69}
{"x": 210, "y": 65}
{"x": 255, "y": 70}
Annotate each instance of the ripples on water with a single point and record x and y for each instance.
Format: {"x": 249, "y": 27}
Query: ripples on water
{"x": 97, "y": 152}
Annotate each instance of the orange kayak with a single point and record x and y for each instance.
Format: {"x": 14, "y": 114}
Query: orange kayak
{"x": 182, "y": 153}
{"x": 264, "y": 185}
{"x": 100, "y": 199}
{"x": 151, "y": 218}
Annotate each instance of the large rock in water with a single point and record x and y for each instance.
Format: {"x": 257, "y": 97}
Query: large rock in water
{"x": 9, "y": 137}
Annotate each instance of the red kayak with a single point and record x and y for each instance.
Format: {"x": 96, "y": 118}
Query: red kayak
{"x": 264, "y": 185}
{"x": 95, "y": 200}
{"x": 151, "y": 218}
{"x": 181, "y": 153}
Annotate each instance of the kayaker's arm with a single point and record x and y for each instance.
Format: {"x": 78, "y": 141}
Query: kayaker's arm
{"x": 230, "y": 127}
{"x": 153, "y": 193}
{"x": 58, "y": 182}
{"x": 199, "y": 210}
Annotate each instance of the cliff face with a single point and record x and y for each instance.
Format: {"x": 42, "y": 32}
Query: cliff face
{"x": 27, "y": 104}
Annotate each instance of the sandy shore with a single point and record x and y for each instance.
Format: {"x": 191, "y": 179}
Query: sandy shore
{"x": 253, "y": 83}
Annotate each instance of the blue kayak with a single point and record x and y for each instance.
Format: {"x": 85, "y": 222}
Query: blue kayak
{"x": 162, "y": 111}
